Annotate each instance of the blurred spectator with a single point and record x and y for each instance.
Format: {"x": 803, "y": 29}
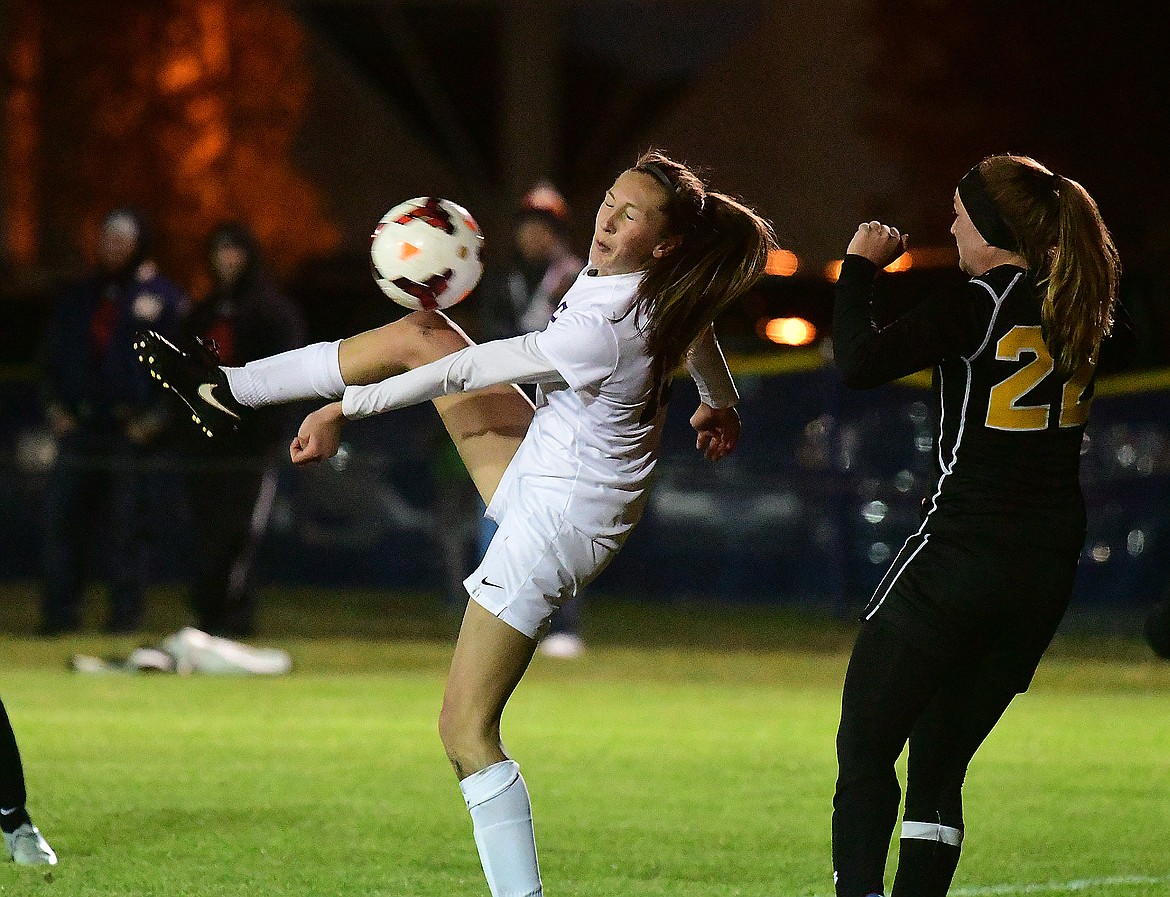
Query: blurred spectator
{"x": 521, "y": 300}
{"x": 231, "y": 481}
{"x": 23, "y": 841}
{"x": 108, "y": 422}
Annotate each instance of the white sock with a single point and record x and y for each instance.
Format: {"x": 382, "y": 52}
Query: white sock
{"x": 501, "y": 816}
{"x": 311, "y": 372}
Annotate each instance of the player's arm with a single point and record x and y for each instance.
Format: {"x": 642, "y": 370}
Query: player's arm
{"x": 518, "y": 359}
{"x": 869, "y": 356}
{"x": 715, "y": 421}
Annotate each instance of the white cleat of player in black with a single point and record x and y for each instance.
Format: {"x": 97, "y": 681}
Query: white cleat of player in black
{"x": 193, "y": 373}
{"x": 28, "y": 847}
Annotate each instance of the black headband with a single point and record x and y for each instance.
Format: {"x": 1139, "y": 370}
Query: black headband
{"x": 655, "y": 171}
{"x": 983, "y": 213}
{"x": 659, "y": 174}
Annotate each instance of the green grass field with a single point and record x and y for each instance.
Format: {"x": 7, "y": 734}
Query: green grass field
{"x": 690, "y": 753}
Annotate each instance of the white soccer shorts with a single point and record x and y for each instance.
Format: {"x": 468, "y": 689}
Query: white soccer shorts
{"x": 534, "y": 564}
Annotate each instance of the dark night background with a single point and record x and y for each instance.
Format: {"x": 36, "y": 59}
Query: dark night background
{"x": 310, "y": 119}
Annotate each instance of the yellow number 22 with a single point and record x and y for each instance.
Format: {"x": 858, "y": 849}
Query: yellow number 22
{"x": 1004, "y": 411}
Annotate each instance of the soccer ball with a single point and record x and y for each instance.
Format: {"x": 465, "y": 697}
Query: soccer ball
{"x": 424, "y": 253}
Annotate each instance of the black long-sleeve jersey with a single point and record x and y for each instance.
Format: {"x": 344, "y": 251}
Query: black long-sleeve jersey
{"x": 1009, "y": 426}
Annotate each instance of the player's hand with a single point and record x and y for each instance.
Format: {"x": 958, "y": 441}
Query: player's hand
{"x": 718, "y": 430}
{"x": 319, "y": 437}
{"x": 878, "y": 242}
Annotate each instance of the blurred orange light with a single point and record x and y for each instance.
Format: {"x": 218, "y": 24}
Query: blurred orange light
{"x": 179, "y": 73}
{"x": 936, "y": 256}
{"x": 782, "y": 262}
{"x": 833, "y": 270}
{"x": 901, "y": 263}
{"x": 789, "y": 331}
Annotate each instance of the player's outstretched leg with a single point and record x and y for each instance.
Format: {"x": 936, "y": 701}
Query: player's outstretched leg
{"x": 490, "y": 657}
{"x": 486, "y": 425}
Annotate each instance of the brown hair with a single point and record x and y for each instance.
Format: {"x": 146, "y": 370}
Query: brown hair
{"x": 721, "y": 255}
{"x": 1067, "y": 247}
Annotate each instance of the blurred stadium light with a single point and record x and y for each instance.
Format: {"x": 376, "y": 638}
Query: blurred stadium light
{"x": 782, "y": 263}
{"x": 788, "y": 331}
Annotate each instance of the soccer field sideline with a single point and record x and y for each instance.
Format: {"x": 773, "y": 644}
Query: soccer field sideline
{"x": 1063, "y": 887}
{"x": 1053, "y": 887}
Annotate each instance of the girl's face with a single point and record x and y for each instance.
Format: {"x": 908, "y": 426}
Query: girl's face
{"x": 229, "y": 262}
{"x": 115, "y": 249}
{"x": 631, "y": 227}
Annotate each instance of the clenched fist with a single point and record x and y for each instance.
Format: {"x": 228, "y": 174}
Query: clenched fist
{"x": 878, "y": 242}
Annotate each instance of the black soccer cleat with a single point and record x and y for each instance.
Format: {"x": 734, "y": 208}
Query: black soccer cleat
{"x": 194, "y": 375}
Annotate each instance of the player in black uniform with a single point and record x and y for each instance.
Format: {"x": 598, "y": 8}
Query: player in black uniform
{"x": 22, "y": 840}
{"x": 969, "y": 605}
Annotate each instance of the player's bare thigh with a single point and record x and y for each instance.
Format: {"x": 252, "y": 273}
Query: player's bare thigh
{"x": 487, "y": 425}
{"x": 401, "y": 345}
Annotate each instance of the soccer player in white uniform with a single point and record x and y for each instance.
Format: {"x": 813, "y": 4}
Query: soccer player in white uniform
{"x": 566, "y": 480}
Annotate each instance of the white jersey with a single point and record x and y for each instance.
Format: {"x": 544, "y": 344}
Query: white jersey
{"x": 593, "y": 443}
{"x": 578, "y": 481}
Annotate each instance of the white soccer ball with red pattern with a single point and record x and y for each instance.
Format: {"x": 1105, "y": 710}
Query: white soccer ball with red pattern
{"x": 425, "y": 253}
